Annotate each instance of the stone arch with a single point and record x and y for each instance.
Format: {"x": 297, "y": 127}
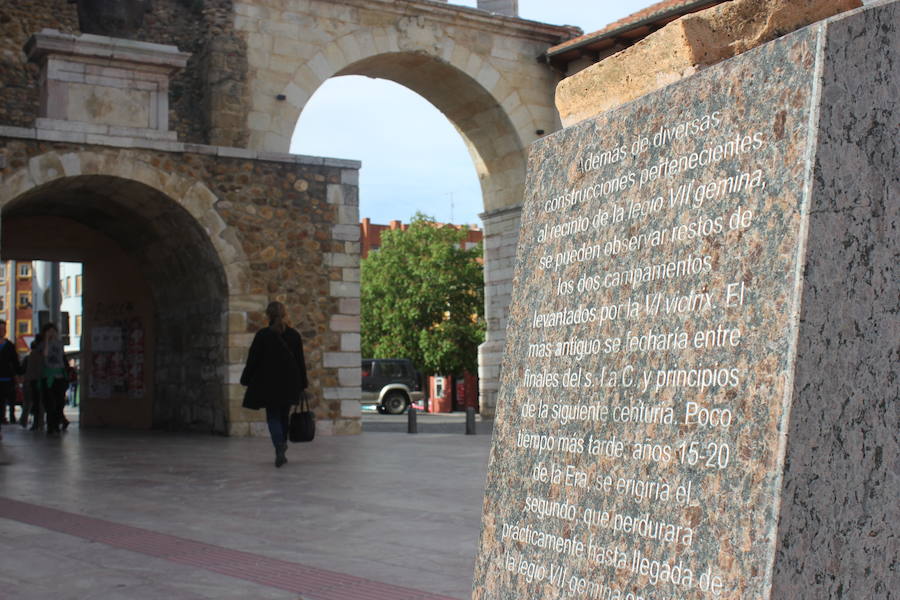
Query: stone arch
{"x": 167, "y": 226}
{"x": 192, "y": 195}
{"x": 485, "y": 108}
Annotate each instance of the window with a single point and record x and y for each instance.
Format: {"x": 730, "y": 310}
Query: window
{"x": 3, "y": 272}
{"x": 67, "y": 287}
{"x": 78, "y": 285}
{"x": 78, "y": 325}
{"x": 23, "y": 327}
{"x": 24, "y": 271}
{"x": 23, "y": 300}
{"x": 2, "y": 302}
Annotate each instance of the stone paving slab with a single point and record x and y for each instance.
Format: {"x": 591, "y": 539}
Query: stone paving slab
{"x": 385, "y": 511}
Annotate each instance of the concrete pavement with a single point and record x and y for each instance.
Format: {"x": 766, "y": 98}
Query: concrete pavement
{"x": 100, "y": 514}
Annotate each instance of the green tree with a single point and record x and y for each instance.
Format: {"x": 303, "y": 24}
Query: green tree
{"x": 423, "y": 299}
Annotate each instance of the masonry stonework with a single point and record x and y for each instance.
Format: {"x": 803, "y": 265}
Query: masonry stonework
{"x": 253, "y": 66}
{"x": 206, "y": 99}
{"x": 273, "y": 232}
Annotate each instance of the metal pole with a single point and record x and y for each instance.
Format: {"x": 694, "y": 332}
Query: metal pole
{"x": 411, "y": 424}
{"x": 470, "y": 420}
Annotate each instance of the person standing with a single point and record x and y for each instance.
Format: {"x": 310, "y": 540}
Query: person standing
{"x": 72, "y": 375}
{"x": 275, "y": 375}
{"x": 53, "y": 380}
{"x": 9, "y": 368}
{"x": 34, "y": 369}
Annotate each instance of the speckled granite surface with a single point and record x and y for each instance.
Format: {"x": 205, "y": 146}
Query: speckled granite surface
{"x": 839, "y": 532}
{"x": 689, "y": 268}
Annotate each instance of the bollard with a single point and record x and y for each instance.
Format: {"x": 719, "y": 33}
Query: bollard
{"x": 470, "y": 420}
{"x": 411, "y": 424}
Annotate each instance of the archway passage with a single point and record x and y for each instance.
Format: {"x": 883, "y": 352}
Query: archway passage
{"x": 494, "y": 145}
{"x": 155, "y": 298}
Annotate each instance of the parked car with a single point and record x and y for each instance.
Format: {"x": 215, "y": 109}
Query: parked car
{"x": 391, "y": 383}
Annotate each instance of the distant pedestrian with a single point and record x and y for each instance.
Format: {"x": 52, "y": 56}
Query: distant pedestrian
{"x": 72, "y": 375}
{"x": 53, "y": 380}
{"x": 275, "y": 375}
{"x": 9, "y": 368}
{"x": 34, "y": 370}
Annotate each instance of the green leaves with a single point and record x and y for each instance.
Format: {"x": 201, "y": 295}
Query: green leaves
{"x": 423, "y": 299}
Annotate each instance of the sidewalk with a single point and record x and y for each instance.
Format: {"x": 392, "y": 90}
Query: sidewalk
{"x": 132, "y": 515}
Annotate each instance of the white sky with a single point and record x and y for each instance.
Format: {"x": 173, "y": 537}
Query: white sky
{"x": 413, "y": 158}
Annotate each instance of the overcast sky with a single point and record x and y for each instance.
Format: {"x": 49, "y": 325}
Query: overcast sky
{"x": 413, "y": 158}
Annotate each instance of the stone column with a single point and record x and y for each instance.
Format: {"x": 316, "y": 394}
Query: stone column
{"x": 501, "y": 235}
{"x": 345, "y": 396}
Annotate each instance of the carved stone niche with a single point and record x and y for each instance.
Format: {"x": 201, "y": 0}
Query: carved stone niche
{"x": 99, "y": 85}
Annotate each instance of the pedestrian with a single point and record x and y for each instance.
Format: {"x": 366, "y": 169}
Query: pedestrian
{"x": 72, "y": 374}
{"x": 53, "y": 379}
{"x": 275, "y": 375}
{"x": 9, "y": 368}
{"x": 34, "y": 369}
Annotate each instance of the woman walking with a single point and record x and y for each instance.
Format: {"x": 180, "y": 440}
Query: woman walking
{"x": 275, "y": 375}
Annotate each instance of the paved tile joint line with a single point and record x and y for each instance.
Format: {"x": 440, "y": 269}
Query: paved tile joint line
{"x": 312, "y": 583}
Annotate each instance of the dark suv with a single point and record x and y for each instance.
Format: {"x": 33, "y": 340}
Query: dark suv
{"x": 391, "y": 383}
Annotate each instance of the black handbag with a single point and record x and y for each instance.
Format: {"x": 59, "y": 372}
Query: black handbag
{"x": 302, "y": 427}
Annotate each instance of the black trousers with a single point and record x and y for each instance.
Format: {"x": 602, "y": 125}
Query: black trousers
{"x": 277, "y": 420}
{"x": 8, "y": 397}
{"x": 54, "y": 401}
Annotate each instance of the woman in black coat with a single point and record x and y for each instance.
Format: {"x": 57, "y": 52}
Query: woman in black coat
{"x": 275, "y": 375}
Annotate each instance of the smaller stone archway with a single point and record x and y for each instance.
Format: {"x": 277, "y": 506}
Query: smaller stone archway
{"x": 160, "y": 265}
{"x": 479, "y": 69}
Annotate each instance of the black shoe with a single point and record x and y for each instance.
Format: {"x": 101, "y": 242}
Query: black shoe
{"x": 65, "y": 425}
{"x": 280, "y": 458}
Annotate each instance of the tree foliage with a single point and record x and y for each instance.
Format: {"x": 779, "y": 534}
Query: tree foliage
{"x": 423, "y": 299}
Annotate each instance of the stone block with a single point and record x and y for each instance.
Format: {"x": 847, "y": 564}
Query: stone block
{"x": 341, "y": 393}
{"x": 348, "y": 306}
{"x": 349, "y": 376}
{"x": 682, "y": 47}
{"x": 350, "y": 274}
{"x": 343, "y": 289}
{"x": 346, "y": 233}
{"x": 259, "y": 429}
{"x": 341, "y": 359}
{"x": 347, "y": 426}
{"x": 339, "y": 259}
{"x": 351, "y": 408}
{"x": 348, "y": 215}
{"x": 74, "y": 137}
{"x": 238, "y": 429}
{"x": 350, "y": 342}
{"x": 344, "y": 323}
{"x": 762, "y": 406}
{"x": 324, "y": 427}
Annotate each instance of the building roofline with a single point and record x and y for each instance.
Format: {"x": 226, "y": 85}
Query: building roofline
{"x": 618, "y": 31}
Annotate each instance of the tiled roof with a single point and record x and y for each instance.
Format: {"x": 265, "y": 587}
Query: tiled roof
{"x": 632, "y": 27}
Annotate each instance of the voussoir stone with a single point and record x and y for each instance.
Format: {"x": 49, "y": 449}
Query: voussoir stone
{"x": 682, "y": 47}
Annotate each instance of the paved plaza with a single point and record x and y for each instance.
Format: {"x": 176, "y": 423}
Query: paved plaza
{"x": 103, "y": 514}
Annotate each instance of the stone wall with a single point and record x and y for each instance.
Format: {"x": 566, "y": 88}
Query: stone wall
{"x": 214, "y": 78}
{"x": 220, "y": 233}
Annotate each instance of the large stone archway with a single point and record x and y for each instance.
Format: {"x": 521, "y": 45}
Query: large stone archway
{"x": 467, "y": 63}
{"x": 253, "y": 66}
{"x": 156, "y": 265}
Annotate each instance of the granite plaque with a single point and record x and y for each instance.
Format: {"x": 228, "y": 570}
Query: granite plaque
{"x": 649, "y": 376}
